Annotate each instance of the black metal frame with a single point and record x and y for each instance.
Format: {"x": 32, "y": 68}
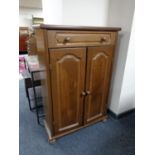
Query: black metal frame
{"x": 32, "y": 83}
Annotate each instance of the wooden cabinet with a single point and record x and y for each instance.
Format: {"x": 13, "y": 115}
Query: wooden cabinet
{"x": 78, "y": 65}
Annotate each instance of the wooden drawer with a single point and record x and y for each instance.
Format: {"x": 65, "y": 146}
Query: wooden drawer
{"x": 79, "y": 38}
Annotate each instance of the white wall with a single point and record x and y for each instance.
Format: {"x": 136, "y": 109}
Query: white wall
{"x": 127, "y": 97}
{"x": 53, "y": 11}
{"x": 76, "y": 12}
{"x": 85, "y": 12}
{"x": 120, "y": 14}
{"x": 25, "y": 15}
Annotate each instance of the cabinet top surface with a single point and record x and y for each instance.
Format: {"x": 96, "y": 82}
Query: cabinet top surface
{"x": 69, "y": 27}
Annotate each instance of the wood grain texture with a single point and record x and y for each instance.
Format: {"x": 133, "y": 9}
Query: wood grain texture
{"x": 78, "y": 62}
{"x": 43, "y": 56}
{"x": 51, "y": 138}
{"x": 67, "y": 74}
{"x": 58, "y": 39}
{"x": 99, "y": 61}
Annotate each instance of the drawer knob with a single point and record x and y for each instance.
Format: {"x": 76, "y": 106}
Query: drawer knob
{"x": 103, "y": 39}
{"x": 67, "y": 39}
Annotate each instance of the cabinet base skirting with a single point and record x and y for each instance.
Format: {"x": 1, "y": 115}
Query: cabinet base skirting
{"x": 52, "y": 139}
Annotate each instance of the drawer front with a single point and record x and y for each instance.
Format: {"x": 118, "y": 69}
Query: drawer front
{"x": 79, "y": 38}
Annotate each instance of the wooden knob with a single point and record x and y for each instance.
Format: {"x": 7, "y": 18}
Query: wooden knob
{"x": 103, "y": 39}
{"x": 88, "y": 92}
{"x": 67, "y": 39}
{"x": 83, "y": 93}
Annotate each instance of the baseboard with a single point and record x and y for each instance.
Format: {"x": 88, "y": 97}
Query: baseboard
{"x": 122, "y": 114}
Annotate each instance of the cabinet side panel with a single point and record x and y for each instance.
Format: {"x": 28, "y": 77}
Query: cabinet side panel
{"x": 42, "y": 52}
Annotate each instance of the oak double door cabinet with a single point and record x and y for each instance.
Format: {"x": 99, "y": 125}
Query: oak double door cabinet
{"x": 78, "y": 67}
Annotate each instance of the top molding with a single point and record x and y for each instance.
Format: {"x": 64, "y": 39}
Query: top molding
{"x": 69, "y": 27}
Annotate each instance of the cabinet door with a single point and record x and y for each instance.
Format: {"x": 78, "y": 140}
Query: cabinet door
{"x": 67, "y": 76}
{"x": 99, "y": 60}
